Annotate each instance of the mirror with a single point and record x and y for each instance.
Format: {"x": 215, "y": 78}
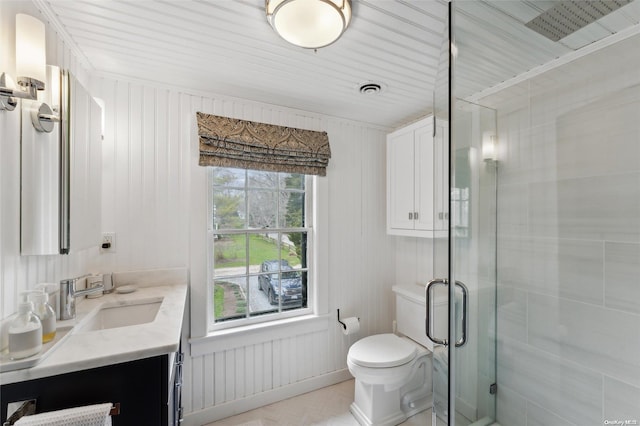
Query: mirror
{"x": 40, "y": 179}
{"x": 61, "y": 172}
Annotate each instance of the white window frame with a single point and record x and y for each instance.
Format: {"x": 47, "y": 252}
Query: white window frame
{"x": 212, "y": 325}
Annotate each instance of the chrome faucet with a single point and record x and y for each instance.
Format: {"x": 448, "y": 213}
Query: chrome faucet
{"x": 68, "y": 294}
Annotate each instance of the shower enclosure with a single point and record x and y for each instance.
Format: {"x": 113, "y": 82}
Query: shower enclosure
{"x": 544, "y": 220}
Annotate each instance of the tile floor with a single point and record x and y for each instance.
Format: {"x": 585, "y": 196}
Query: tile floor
{"x": 325, "y": 407}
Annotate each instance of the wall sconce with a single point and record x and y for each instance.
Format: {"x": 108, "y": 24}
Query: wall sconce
{"x": 32, "y": 73}
{"x": 31, "y": 56}
{"x": 309, "y": 23}
{"x": 489, "y": 146}
{"x": 42, "y": 115}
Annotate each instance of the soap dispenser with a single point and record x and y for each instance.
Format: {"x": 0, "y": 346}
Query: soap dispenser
{"x": 45, "y": 313}
{"x": 25, "y": 333}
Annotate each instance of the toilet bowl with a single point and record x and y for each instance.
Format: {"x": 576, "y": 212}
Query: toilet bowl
{"x": 392, "y": 372}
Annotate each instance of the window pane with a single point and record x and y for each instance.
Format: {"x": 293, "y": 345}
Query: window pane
{"x": 230, "y": 255}
{"x": 261, "y": 292}
{"x": 296, "y": 296}
{"x": 280, "y": 284}
{"x": 291, "y": 209}
{"x": 227, "y": 177}
{"x": 295, "y": 244}
{"x": 262, "y": 247}
{"x": 262, "y": 179}
{"x": 228, "y": 209}
{"x": 230, "y": 301}
{"x": 262, "y": 209}
{"x": 292, "y": 181}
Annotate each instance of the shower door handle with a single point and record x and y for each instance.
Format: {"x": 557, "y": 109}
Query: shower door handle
{"x": 428, "y": 320}
{"x": 465, "y": 318}
{"x": 428, "y": 317}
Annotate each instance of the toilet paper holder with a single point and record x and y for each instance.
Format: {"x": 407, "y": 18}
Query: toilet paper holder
{"x": 343, "y": 324}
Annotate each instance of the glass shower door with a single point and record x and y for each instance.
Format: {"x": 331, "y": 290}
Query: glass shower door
{"x": 464, "y": 360}
{"x": 472, "y": 265}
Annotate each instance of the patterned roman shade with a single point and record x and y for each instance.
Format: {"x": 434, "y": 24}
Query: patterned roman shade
{"x": 229, "y": 142}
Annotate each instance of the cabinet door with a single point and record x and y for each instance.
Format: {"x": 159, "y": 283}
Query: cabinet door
{"x": 139, "y": 386}
{"x": 400, "y": 178}
{"x": 424, "y": 178}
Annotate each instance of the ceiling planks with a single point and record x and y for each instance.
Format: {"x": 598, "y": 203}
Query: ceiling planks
{"x": 227, "y": 47}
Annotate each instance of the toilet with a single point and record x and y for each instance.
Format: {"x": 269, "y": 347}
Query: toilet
{"x": 393, "y": 371}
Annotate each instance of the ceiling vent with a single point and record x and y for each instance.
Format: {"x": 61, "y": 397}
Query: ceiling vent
{"x": 568, "y": 16}
{"x": 370, "y": 88}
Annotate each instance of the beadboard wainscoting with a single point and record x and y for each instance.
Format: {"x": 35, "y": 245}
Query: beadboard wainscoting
{"x": 20, "y": 273}
{"x": 260, "y": 368}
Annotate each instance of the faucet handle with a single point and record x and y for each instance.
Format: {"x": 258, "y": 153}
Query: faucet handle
{"x": 94, "y": 281}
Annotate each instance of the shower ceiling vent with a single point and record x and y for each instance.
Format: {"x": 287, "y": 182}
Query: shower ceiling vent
{"x": 567, "y": 17}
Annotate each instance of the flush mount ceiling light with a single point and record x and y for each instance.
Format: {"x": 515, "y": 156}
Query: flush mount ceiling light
{"x": 309, "y": 23}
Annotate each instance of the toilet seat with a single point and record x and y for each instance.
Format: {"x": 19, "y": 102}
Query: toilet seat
{"x": 382, "y": 351}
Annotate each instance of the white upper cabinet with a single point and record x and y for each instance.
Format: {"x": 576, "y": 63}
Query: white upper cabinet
{"x": 417, "y": 202}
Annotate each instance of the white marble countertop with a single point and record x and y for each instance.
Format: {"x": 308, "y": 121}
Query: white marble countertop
{"x": 81, "y": 350}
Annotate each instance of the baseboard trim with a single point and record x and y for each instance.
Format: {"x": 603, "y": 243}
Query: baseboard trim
{"x": 228, "y": 409}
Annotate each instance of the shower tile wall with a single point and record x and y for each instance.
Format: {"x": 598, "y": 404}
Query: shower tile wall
{"x": 569, "y": 242}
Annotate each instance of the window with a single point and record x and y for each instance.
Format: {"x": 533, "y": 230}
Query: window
{"x": 259, "y": 232}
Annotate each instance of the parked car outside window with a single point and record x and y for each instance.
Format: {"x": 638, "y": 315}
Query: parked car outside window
{"x": 283, "y": 285}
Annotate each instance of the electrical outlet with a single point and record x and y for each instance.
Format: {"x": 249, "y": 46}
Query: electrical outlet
{"x": 108, "y": 244}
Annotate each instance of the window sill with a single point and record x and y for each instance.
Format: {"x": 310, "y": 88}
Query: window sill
{"x": 231, "y": 338}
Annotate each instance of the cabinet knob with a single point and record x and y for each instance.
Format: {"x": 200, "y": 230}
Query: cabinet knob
{"x": 410, "y": 216}
{"x": 415, "y": 215}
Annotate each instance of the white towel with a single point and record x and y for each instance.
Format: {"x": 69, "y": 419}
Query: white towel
{"x": 90, "y": 415}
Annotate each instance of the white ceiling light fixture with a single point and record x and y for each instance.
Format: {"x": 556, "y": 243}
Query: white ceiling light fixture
{"x": 310, "y": 24}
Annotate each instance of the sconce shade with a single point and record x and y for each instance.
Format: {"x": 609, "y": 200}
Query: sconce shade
{"x": 30, "y": 48}
{"x": 309, "y": 23}
{"x": 489, "y": 146}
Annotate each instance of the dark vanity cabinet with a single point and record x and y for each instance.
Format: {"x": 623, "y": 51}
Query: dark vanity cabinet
{"x": 148, "y": 390}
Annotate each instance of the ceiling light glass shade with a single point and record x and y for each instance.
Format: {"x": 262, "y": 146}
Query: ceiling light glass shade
{"x": 309, "y": 23}
{"x": 30, "y": 48}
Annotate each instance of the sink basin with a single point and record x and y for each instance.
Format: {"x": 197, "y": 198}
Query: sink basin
{"x": 122, "y": 315}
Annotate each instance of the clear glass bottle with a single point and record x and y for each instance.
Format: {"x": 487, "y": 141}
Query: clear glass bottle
{"x": 45, "y": 313}
{"x": 25, "y": 333}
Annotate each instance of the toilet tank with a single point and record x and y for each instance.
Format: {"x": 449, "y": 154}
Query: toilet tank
{"x": 411, "y": 313}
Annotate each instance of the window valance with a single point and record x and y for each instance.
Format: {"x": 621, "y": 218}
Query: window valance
{"x": 230, "y": 142}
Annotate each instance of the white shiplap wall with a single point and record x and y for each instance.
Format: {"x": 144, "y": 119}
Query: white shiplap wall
{"x": 154, "y": 199}
{"x": 19, "y": 273}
